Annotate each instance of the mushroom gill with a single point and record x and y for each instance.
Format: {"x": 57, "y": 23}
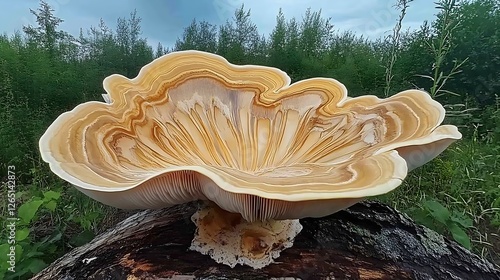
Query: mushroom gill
{"x": 192, "y": 126}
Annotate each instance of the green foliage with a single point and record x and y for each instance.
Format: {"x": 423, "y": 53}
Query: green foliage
{"x": 198, "y": 36}
{"x": 441, "y": 44}
{"x": 465, "y": 181}
{"x": 46, "y": 225}
{"x": 436, "y": 216}
{"x": 45, "y": 71}
{"x": 31, "y": 255}
{"x": 393, "y": 41}
{"x": 478, "y": 39}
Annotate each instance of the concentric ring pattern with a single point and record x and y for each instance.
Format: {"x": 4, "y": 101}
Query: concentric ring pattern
{"x": 193, "y": 126}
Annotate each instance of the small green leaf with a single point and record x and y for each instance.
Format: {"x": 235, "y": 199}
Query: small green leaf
{"x": 51, "y": 205}
{"x": 51, "y": 195}
{"x": 34, "y": 253}
{"x": 3, "y": 267}
{"x": 36, "y": 265}
{"x": 92, "y": 215}
{"x": 461, "y": 219}
{"x": 82, "y": 238}
{"x": 28, "y": 210}
{"x": 19, "y": 251}
{"x": 20, "y": 194}
{"x": 422, "y": 217}
{"x": 438, "y": 211}
{"x": 4, "y": 250}
{"x": 86, "y": 224}
{"x": 460, "y": 235}
{"x": 19, "y": 272}
{"x": 22, "y": 233}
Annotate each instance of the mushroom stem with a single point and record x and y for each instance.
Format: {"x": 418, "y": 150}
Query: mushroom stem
{"x": 229, "y": 239}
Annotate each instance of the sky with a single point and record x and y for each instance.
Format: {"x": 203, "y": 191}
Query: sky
{"x": 164, "y": 20}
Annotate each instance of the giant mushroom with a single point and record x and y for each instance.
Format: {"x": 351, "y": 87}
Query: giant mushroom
{"x": 261, "y": 151}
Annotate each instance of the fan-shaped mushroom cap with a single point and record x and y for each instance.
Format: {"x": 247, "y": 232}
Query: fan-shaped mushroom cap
{"x": 193, "y": 126}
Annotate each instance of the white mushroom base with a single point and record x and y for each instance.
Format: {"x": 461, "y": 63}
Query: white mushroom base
{"x": 229, "y": 239}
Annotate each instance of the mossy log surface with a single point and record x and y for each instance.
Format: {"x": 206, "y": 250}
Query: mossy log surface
{"x": 367, "y": 241}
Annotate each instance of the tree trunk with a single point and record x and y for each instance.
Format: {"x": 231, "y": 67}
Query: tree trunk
{"x": 367, "y": 241}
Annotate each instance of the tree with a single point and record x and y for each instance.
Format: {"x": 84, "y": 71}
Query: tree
{"x": 477, "y": 38}
{"x": 277, "y": 44}
{"x": 160, "y": 50}
{"x": 315, "y": 34}
{"x": 198, "y": 36}
{"x": 239, "y": 39}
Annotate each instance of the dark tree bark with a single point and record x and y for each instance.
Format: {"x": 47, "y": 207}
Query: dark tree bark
{"x": 367, "y": 241}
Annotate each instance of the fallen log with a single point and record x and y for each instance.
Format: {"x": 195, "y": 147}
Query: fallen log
{"x": 367, "y": 241}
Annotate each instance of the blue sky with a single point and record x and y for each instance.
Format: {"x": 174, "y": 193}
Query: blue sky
{"x": 164, "y": 20}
